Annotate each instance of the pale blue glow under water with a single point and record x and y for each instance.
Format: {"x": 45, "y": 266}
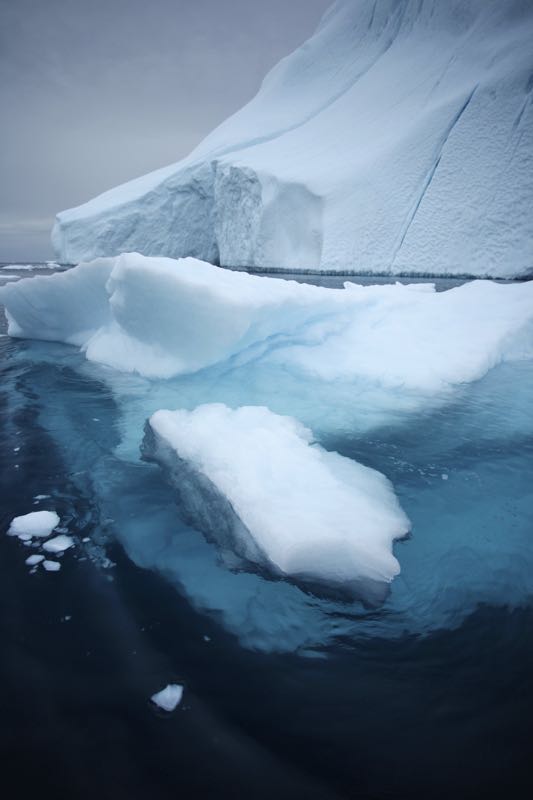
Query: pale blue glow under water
{"x": 290, "y": 695}
{"x": 462, "y": 468}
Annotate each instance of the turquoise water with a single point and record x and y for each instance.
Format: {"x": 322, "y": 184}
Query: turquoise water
{"x": 286, "y": 693}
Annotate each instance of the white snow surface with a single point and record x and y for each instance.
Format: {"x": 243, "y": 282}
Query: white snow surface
{"x": 162, "y": 318}
{"x": 58, "y": 544}
{"x": 36, "y": 523}
{"x": 310, "y": 513}
{"x": 397, "y": 139}
{"x": 168, "y": 698}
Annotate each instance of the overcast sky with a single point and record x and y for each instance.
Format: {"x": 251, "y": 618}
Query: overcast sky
{"x": 94, "y": 92}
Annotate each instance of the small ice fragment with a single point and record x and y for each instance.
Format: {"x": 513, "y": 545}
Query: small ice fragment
{"x": 27, "y": 543}
{"x": 58, "y": 544}
{"x": 444, "y": 477}
{"x": 86, "y": 539}
{"x": 169, "y": 697}
{"x": 16, "y": 449}
{"x": 31, "y": 561}
{"x": 36, "y": 523}
{"x": 207, "y": 638}
{"x": 52, "y": 566}
{"x": 41, "y": 497}
{"x": 24, "y": 537}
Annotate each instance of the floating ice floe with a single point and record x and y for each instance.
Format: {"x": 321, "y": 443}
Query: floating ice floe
{"x": 168, "y": 698}
{"x": 51, "y": 566}
{"x": 36, "y": 523}
{"x": 32, "y": 561}
{"x": 256, "y": 481}
{"x": 58, "y": 544}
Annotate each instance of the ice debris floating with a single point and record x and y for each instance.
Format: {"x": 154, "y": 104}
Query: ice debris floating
{"x": 256, "y": 481}
{"x": 401, "y": 337}
{"x": 58, "y": 544}
{"x": 168, "y": 698}
{"x": 32, "y": 561}
{"x": 398, "y": 138}
{"x": 51, "y": 566}
{"x": 37, "y": 523}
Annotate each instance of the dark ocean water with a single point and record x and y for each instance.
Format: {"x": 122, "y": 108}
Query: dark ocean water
{"x": 430, "y": 696}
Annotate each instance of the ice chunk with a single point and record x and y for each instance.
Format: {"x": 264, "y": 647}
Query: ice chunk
{"x": 256, "y": 478}
{"x": 168, "y": 698}
{"x": 199, "y": 315}
{"x": 397, "y": 139}
{"x": 36, "y": 523}
{"x": 52, "y": 566}
{"x": 58, "y": 544}
{"x": 31, "y": 561}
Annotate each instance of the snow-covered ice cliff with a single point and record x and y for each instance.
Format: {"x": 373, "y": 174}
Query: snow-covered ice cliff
{"x": 398, "y": 139}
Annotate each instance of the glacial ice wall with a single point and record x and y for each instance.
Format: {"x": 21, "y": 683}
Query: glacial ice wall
{"x": 398, "y": 139}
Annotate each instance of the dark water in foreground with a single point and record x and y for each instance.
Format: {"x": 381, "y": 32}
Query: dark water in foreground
{"x": 440, "y": 711}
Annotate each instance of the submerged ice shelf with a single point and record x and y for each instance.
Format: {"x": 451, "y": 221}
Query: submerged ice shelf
{"x": 431, "y": 405}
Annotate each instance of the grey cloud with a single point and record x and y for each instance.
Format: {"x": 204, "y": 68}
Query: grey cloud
{"x": 95, "y": 93}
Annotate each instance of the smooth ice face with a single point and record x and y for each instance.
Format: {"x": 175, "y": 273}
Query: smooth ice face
{"x": 36, "y": 523}
{"x": 399, "y": 138}
{"x": 306, "y": 512}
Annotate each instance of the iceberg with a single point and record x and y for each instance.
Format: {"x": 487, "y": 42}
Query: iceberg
{"x": 257, "y": 482}
{"x": 398, "y": 139}
{"x": 407, "y": 338}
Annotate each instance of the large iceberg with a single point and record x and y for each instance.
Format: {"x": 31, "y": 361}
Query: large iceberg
{"x": 258, "y": 483}
{"x": 398, "y": 139}
{"x": 163, "y": 318}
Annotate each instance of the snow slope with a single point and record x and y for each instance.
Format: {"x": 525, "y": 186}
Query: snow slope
{"x": 400, "y": 337}
{"x": 399, "y": 138}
